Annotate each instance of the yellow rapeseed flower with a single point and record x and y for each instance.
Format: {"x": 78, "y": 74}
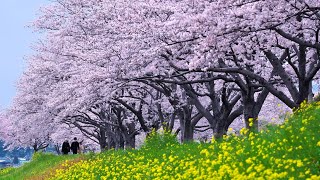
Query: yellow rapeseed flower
{"x": 249, "y": 161}
{"x": 205, "y": 152}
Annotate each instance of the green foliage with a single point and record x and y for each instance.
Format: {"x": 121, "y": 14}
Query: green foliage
{"x": 41, "y": 162}
{"x": 159, "y": 140}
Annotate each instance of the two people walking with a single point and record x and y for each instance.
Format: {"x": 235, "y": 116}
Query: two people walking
{"x": 75, "y": 147}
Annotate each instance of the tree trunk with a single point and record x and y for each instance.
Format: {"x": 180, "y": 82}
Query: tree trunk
{"x": 310, "y": 93}
{"x": 57, "y": 148}
{"x": 249, "y": 113}
{"x": 305, "y": 90}
{"x": 130, "y": 142}
{"x": 184, "y": 115}
{"x": 111, "y": 143}
{"x": 102, "y": 139}
{"x": 220, "y": 129}
{"x": 188, "y": 131}
{"x": 130, "y": 136}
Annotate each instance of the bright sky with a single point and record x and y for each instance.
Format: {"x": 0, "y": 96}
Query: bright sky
{"x": 15, "y": 42}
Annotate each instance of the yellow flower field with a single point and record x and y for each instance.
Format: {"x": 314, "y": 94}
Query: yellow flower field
{"x": 289, "y": 151}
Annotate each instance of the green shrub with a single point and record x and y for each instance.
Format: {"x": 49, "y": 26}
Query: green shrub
{"x": 159, "y": 140}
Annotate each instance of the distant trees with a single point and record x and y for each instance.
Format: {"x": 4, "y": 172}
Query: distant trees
{"x": 117, "y": 69}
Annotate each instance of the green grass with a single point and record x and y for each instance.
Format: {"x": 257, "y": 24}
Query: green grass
{"x": 288, "y": 151}
{"x": 40, "y": 165}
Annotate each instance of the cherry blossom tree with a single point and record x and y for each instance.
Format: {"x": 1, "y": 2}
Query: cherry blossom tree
{"x": 265, "y": 34}
{"x": 114, "y": 69}
{"x": 125, "y": 35}
{"x": 253, "y": 39}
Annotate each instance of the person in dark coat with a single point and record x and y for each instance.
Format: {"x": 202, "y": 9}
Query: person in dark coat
{"x": 75, "y": 146}
{"x": 65, "y": 147}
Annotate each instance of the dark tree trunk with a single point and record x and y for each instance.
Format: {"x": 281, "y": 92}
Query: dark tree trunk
{"x": 220, "y": 129}
{"x": 184, "y": 115}
{"x": 130, "y": 136}
{"x": 252, "y": 108}
{"x": 102, "y": 139}
{"x": 121, "y": 142}
{"x": 188, "y": 131}
{"x": 130, "y": 142}
{"x": 225, "y": 119}
{"x": 305, "y": 90}
{"x": 111, "y": 143}
{"x": 57, "y": 148}
{"x": 250, "y": 116}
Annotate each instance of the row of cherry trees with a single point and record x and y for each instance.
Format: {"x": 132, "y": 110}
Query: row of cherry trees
{"x": 111, "y": 70}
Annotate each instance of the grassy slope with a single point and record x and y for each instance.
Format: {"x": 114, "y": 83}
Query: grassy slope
{"x": 288, "y": 151}
{"x": 38, "y": 168}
